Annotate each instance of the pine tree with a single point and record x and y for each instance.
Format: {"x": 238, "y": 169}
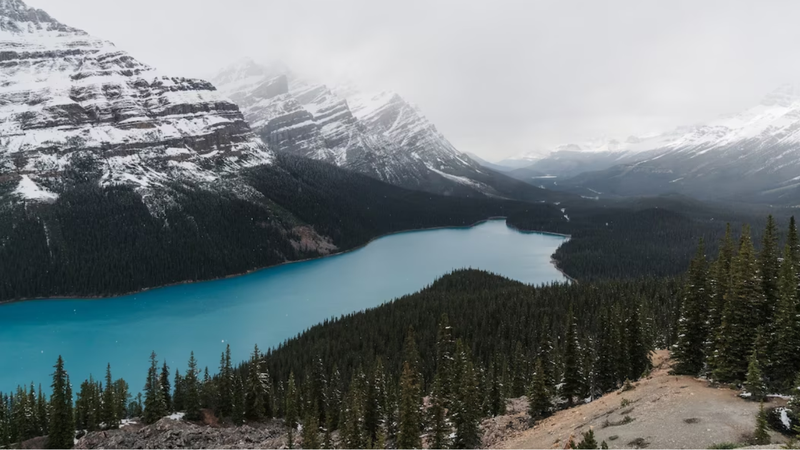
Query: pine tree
{"x": 719, "y": 286}
{"x": 588, "y": 440}
{"x": 353, "y": 432}
{"x": 110, "y": 414}
{"x": 179, "y": 394}
{"x": 574, "y": 383}
{"x": 311, "y": 428}
{"x": 605, "y": 369}
{"x": 466, "y": 414}
{"x": 693, "y": 331}
{"x": 154, "y": 405}
{"x": 410, "y": 397}
{"x": 225, "y": 383}
{"x": 291, "y": 410}
{"x": 754, "y": 382}
{"x": 192, "y": 390}
{"x": 437, "y": 418}
{"x": 333, "y": 399}
{"x": 208, "y": 392}
{"x": 539, "y": 404}
{"x": 238, "y": 412}
{"x": 786, "y": 338}
{"x": 256, "y": 391}
{"x": 62, "y": 426}
{"x": 742, "y": 314}
{"x": 43, "y": 412}
{"x": 519, "y": 371}
{"x": 761, "y": 436}
{"x": 769, "y": 265}
{"x": 445, "y": 345}
{"x": 166, "y": 388}
{"x": 637, "y": 346}
{"x": 375, "y": 407}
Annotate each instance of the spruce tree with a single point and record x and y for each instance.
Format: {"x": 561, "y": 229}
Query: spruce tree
{"x": 754, "y": 382}
{"x": 291, "y": 410}
{"x": 637, "y": 346}
{"x": 62, "y": 426}
{"x": 154, "y": 405}
{"x": 256, "y": 390}
{"x": 719, "y": 285}
{"x": 110, "y": 415}
{"x": 445, "y": 346}
{"x": 437, "y": 418}
{"x": 225, "y": 383}
{"x": 573, "y": 382}
{"x": 179, "y": 394}
{"x": 742, "y": 314}
{"x": 693, "y": 331}
{"x": 311, "y": 428}
{"x": 785, "y": 344}
{"x": 410, "y": 397}
{"x": 605, "y": 369}
{"x": 539, "y": 404}
{"x": 466, "y": 417}
{"x": 353, "y": 432}
{"x": 769, "y": 269}
{"x": 43, "y": 412}
{"x": 121, "y": 396}
{"x": 165, "y": 387}
{"x": 761, "y": 435}
{"x": 238, "y": 412}
{"x": 192, "y": 390}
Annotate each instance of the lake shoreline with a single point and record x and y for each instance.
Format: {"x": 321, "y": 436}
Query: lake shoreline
{"x": 553, "y": 261}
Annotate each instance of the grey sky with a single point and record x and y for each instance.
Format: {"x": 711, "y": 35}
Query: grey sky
{"x": 497, "y": 78}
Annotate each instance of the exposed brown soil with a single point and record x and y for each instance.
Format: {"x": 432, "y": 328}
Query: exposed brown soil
{"x": 663, "y": 411}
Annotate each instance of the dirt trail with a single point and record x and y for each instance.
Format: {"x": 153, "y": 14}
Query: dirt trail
{"x": 665, "y": 411}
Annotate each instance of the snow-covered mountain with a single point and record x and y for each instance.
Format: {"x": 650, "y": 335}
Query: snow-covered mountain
{"x": 522, "y": 160}
{"x": 72, "y": 105}
{"x": 753, "y": 155}
{"x": 378, "y": 134}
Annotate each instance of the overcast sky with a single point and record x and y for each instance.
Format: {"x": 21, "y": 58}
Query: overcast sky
{"x": 497, "y": 78}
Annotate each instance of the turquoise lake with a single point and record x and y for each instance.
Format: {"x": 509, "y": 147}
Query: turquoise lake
{"x": 264, "y": 307}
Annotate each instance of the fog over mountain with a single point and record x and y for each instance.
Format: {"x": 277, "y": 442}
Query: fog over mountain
{"x": 497, "y": 78}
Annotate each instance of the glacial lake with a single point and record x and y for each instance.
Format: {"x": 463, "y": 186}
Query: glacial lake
{"x": 264, "y": 307}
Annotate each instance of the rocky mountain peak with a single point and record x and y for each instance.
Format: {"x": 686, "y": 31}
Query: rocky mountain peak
{"x": 68, "y": 98}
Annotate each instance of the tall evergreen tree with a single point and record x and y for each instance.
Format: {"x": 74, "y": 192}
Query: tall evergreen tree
{"x": 43, "y": 412}
{"x": 192, "y": 390}
{"x": 539, "y": 404}
{"x": 719, "y": 284}
{"x": 637, "y": 346}
{"x": 238, "y": 412}
{"x": 154, "y": 405}
{"x": 179, "y": 393}
{"x": 742, "y": 314}
{"x": 225, "y": 383}
{"x": 165, "y": 387}
{"x": 769, "y": 265}
{"x": 256, "y": 389}
{"x": 62, "y": 427}
{"x": 437, "y": 416}
{"x": 410, "y": 397}
{"x": 785, "y": 346}
{"x": 605, "y": 369}
{"x": 311, "y": 428}
{"x": 466, "y": 417}
{"x": 693, "y": 331}
{"x": 110, "y": 414}
{"x": 353, "y": 432}
{"x": 292, "y": 412}
{"x": 573, "y": 382}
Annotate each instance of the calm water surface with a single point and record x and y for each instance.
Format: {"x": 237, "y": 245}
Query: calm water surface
{"x": 265, "y": 307}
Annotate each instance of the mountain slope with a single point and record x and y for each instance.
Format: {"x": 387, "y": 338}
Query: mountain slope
{"x": 751, "y": 156}
{"x": 72, "y": 104}
{"x": 380, "y": 135}
{"x": 115, "y": 178}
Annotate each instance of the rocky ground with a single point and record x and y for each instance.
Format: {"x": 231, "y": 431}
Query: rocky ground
{"x": 662, "y": 411}
{"x": 170, "y": 433}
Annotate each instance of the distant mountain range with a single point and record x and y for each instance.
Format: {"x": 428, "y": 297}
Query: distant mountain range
{"x": 378, "y": 134}
{"x": 752, "y": 156}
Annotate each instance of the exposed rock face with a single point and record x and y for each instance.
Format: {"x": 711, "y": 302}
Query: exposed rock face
{"x": 168, "y": 433}
{"x": 70, "y": 102}
{"x": 380, "y": 135}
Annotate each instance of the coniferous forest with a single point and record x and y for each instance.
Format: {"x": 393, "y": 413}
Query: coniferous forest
{"x": 424, "y": 369}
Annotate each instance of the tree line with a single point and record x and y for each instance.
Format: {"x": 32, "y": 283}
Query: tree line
{"x": 740, "y": 316}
